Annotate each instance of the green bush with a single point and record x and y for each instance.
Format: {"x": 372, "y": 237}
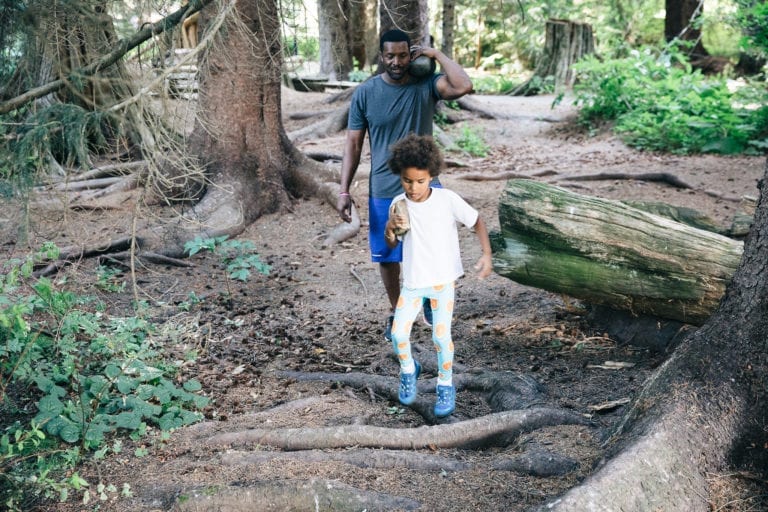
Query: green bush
{"x": 658, "y": 103}
{"x": 72, "y": 379}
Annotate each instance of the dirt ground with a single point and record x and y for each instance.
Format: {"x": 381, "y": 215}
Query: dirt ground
{"x": 322, "y": 309}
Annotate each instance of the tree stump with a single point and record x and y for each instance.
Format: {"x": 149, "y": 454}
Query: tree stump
{"x": 566, "y": 43}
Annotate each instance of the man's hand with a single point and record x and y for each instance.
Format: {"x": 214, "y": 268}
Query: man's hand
{"x": 484, "y": 266}
{"x": 344, "y": 207}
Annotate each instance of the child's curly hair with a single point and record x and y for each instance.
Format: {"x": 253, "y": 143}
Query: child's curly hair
{"x": 418, "y": 151}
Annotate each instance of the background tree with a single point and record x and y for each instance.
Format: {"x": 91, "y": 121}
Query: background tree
{"x": 336, "y": 43}
{"x": 448, "y": 24}
{"x": 410, "y": 16}
{"x": 683, "y": 21}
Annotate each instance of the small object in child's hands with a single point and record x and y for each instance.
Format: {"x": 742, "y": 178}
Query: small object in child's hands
{"x": 401, "y": 209}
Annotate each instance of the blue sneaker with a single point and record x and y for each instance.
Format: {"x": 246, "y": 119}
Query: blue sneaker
{"x": 388, "y": 328}
{"x": 408, "y": 387}
{"x": 446, "y": 401}
{"x": 427, "y": 308}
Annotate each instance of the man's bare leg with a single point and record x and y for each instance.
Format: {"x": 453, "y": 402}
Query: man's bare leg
{"x": 390, "y": 275}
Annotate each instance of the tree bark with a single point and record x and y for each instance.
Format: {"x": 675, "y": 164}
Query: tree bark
{"x": 252, "y": 167}
{"x": 335, "y": 38}
{"x": 683, "y": 21}
{"x": 704, "y": 410}
{"x": 449, "y": 21}
{"x": 410, "y": 16}
{"x": 607, "y": 252}
{"x": 566, "y": 42}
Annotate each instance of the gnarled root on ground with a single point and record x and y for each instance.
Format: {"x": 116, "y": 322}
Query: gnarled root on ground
{"x": 312, "y": 495}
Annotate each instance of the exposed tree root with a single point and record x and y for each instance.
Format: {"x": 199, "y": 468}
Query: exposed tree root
{"x": 498, "y": 176}
{"x": 505, "y": 391}
{"x": 290, "y": 496}
{"x": 534, "y": 462}
{"x": 362, "y": 458}
{"x": 660, "y": 470}
{"x": 498, "y": 429}
{"x": 537, "y": 462}
{"x": 332, "y": 123}
{"x": 320, "y": 156}
{"x": 661, "y": 177}
{"x": 298, "y": 116}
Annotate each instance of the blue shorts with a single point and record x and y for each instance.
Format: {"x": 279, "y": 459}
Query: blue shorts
{"x": 378, "y": 213}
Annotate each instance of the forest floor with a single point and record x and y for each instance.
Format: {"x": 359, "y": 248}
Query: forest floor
{"x": 322, "y": 309}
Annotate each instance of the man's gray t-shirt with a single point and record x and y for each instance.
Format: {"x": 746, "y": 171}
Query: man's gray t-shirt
{"x": 389, "y": 113}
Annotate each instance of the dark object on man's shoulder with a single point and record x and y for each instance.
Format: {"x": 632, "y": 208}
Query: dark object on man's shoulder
{"x": 422, "y": 66}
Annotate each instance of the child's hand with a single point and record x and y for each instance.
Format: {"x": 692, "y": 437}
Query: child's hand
{"x": 484, "y": 266}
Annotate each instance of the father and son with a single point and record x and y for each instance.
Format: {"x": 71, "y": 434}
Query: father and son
{"x": 396, "y": 109}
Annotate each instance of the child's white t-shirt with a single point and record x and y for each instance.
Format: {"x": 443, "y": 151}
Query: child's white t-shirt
{"x": 431, "y": 254}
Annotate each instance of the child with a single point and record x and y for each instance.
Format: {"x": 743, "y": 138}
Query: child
{"x": 431, "y": 261}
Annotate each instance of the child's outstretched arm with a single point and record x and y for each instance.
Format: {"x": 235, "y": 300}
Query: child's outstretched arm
{"x": 484, "y": 265}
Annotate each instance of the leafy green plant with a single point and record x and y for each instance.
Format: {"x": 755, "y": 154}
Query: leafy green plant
{"x": 240, "y": 257}
{"x": 107, "y": 279}
{"x": 73, "y": 377}
{"x": 657, "y": 102}
{"x": 358, "y": 75}
{"x": 494, "y": 84}
{"x": 471, "y": 141}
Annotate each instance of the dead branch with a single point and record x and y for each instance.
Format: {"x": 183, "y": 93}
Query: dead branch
{"x": 89, "y": 184}
{"x": 498, "y": 429}
{"x": 119, "y": 169}
{"x": 70, "y": 254}
{"x": 662, "y": 177}
{"x": 151, "y": 257}
{"x": 121, "y": 47}
{"x": 123, "y": 185}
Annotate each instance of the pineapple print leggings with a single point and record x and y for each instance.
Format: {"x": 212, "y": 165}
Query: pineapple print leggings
{"x": 408, "y": 306}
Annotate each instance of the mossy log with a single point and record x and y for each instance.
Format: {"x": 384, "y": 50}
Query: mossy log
{"x": 607, "y": 252}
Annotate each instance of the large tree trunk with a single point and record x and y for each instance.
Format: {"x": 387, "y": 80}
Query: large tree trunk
{"x": 335, "y": 38}
{"x": 703, "y": 413}
{"x": 682, "y": 21}
{"x": 566, "y": 42}
{"x": 239, "y": 137}
{"x": 609, "y": 253}
{"x": 359, "y": 32}
{"x": 449, "y": 21}
{"x": 410, "y": 16}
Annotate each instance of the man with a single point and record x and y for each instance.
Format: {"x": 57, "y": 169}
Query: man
{"x": 388, "y": 107}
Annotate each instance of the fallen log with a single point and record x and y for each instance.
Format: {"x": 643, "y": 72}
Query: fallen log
{"x": 609, "y": 253}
